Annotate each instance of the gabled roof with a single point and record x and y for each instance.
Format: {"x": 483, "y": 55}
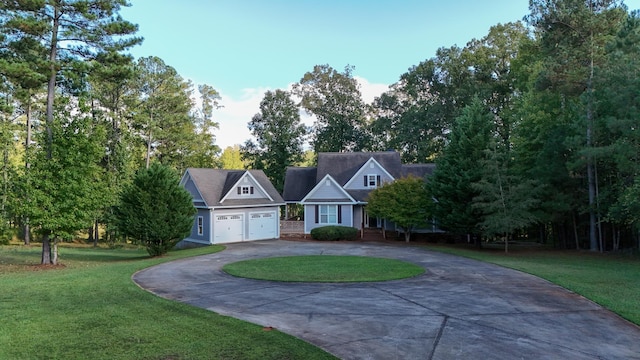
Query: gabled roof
{"x": 298, "y": 182}
{"x": 343, "y": 166}
{"x": 329, "y": 180}
{"x": 214, "y": 184}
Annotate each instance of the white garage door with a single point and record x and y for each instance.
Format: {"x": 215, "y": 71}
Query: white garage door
{"x": 263, "y": 225}
{"x": 227, "y": 228}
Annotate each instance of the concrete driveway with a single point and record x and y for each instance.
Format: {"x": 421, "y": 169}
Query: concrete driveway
{"x": 459, "y": 309}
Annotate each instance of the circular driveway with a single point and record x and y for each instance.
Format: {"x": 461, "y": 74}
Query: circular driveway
{"x": 458, "y": 309}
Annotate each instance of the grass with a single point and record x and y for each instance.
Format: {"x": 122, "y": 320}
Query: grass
{"x": 611, "y": 280}
{"x": 323, "y": 268}
{"x": 89, "y": 308}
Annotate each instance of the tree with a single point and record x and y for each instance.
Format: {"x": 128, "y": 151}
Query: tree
{"x": 155, "y": 210}
{"x": 62, "y": 35}
{"x": 573, "y": 38}
{"x": 231, "y": 158}
{"x": 203, "y": 151}
{"x": 457, "y": 169}
{"x": 162, "y": 112}
{"x": 279, "y": 137}
{"x": 66, "y": 197}
{"x": 335, "y": 100}
{"x": 405, "y": 201}
{"x": 505, "y": 199}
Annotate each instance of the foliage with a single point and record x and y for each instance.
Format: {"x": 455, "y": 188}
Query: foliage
{"x": 231, "y": 158}
{"x": 334, "y": 99}
{"x": 323, "y": 268}
{"x": 457, "y": 169}
{"x": 406, "y": 202}
{"x": 334, "y": 233}
{"x": 155, "y": 210}
{"x": 65, "y": 196}
{"x": 279, "y": 136}
{"x": 93, "y": 301}
{"x": 505, "y": 199}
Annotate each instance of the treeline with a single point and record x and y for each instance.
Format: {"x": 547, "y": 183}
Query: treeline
{"x": 533, "y": 127}
{"x": 78, "y": 117}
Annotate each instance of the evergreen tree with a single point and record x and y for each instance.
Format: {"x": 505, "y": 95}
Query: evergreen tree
{"x": 155, "y": 210}
{"x": 458, "y": 168}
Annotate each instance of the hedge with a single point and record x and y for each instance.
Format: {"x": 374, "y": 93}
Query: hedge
{"x": 333, "y": 233}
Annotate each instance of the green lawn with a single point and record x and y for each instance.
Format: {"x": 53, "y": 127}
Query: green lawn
{"x": 611, "y": 280}
{"x": 323, "y": 268}
{"x": 89, "y": 308}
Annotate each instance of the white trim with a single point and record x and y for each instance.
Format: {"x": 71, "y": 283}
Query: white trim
{"x": 200, "y": 225}
{"x": 361, "y": 171}
{"x": 243, "y": 177}
{"x": 315, "y": 188}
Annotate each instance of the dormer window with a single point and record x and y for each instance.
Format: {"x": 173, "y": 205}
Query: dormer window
{"x": 371, "y": 181}
{"x": 245, "y": 190}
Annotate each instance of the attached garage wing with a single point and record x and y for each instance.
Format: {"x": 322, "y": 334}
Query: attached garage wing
{"x": 228, "y": 228}
{"x": 263, "y": 225}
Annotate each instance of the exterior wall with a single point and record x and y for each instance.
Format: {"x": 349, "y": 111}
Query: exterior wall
{"x": 246, "y": 214}
{"x": 310, "y": 216}
{"x": 246, "y": 181}
{"x": 328, "y": 190}
{"x": 371, "y": 168}
{"x": 206, "y": 227}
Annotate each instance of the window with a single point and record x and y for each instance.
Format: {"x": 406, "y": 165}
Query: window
{"x": 245, "y": 190}
{"x": 328, "y": 214}
{"x": 200, "y": 226}
{"x": 371, "y": 181}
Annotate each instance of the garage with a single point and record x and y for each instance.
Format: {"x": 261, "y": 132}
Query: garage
{"x": 263, "y": 225}
{"x": 228, "y": 228}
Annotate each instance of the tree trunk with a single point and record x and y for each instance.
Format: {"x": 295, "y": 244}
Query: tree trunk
{"x": 96, "y": 233}
{"x": 575, "y": 231}
{"x": 407, "y": 236}
{"x": 46, "y": 249}
{"x": 27, "y": 165}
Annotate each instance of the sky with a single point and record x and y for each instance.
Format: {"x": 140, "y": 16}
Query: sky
{"x": 244, "y": 48}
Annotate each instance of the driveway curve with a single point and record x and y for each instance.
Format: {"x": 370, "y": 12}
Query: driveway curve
{"x": 459, "y": 309}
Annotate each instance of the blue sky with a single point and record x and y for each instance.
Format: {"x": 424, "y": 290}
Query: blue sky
{"x": 245, "y": 47}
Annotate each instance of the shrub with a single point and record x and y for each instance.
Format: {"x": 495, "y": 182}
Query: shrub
{"x": 333, "y": 233}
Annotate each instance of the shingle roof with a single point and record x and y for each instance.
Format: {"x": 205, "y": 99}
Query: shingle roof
{"x": 418, "y": 170}
{"x": 214, "y": 184}
{"x": 343, "y": 166}
{"x": 298, "y": 182}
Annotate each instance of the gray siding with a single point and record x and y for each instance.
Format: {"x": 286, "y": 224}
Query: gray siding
{"x": 206, "y": 225}
{"x": 327, "y": 190}
{"x": 310, "y": 218}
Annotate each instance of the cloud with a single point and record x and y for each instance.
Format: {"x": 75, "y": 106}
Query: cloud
{"x": 236, "y": 112}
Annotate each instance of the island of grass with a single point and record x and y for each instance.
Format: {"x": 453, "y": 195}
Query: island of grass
{"x": 323, "y": 268}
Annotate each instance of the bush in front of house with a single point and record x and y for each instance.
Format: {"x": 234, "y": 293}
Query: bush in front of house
{"x": 333, "y": 233}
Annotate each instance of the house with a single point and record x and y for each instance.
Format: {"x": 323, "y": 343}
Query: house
{"x": 335, "y": 192}
{"x": 232, "y": 205}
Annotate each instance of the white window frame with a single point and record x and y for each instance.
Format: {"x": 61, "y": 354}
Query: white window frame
{"x": 372, "y": 180}
{"x": 200, "y": 225}
{"x": 328, "y": 214}
{"x": 245, "y": 190}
